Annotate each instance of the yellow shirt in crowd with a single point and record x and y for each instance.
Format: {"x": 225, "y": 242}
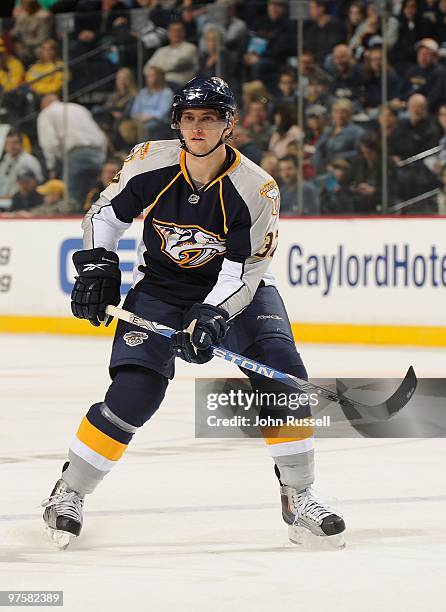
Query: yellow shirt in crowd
{"x": 50, "y": 84}
{"x": 12, "y": 72}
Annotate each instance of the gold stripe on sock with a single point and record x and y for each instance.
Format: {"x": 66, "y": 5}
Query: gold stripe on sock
{"x": 287, "y": 433}
{"x": 99, "y": 441}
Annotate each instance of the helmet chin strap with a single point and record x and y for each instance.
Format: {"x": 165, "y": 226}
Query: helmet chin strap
{"x": 184, "y": 145}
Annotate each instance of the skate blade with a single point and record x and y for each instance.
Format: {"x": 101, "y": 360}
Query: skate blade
{"x": 308, "y": 541}
{"x": 61, "y": 539}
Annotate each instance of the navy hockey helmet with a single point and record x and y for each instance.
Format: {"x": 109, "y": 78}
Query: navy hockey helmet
{"x": 211, "y": 92}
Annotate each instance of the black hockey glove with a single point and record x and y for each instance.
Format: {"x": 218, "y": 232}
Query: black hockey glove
{"x": 204, "y": 325}
{"x": 97, "y": 285}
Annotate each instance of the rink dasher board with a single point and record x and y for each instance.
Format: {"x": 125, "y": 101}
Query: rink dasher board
{"x": 379, "y": 280}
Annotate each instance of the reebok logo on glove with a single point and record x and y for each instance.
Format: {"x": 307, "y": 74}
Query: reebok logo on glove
{"x": 91, "y": 267}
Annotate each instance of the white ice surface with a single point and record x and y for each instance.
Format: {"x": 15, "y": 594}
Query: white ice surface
{"x": 194, "y": 525}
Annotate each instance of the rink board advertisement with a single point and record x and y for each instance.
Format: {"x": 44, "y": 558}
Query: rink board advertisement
{"x": 363, "y": 280}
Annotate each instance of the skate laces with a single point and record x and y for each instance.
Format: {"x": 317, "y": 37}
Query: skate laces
{"x": 65, "y": 503}
{"x": 307, "y": 504}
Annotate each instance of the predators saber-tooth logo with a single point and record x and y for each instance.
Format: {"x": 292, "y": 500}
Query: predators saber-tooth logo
{"x": 135, "y": 338}
{"x": 270, "y": 190}
{"x": 189, "y": 246}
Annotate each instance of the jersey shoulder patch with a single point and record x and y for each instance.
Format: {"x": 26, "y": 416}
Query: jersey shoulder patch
{"x": 256, "y": 186}
{"x": 153, "y": 154}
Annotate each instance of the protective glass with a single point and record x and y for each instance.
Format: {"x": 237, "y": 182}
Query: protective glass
{"x": 208, "y": 122}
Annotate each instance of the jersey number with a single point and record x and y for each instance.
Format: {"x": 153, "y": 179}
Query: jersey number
{"x": 269, "y": 245}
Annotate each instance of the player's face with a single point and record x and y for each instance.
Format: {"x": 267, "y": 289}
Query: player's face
{"x": 202, "y": 129}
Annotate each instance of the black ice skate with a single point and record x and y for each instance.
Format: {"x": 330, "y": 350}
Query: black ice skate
{"x": 304, "y": 512}
{"x": 63, "y": 513}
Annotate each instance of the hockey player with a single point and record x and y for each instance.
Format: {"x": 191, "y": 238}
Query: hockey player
{"x": 210, "y": 230}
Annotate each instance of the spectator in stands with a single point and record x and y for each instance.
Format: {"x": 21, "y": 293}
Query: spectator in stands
{"x": 315, "y": 124}
{"x": 179, "y": 59}
{"x": 117, "y": 106}
{"x": 340, "y": 139}
{"x": 257, "y": 124}
{"x": 255, "y": 91}
{"x": 372, "y": 80}
{"x": 335, "y": 196}
{"x": 412, "y": 136}
{"x": 151, "y": 26}
{"x": 317, "y": 92}
{"x": 243, "y": 142}
{"x": 270, "y": 164}
{"x": 236, "y": 34}
{"x": 150, "y": 110}
{"x": 356, "y": 15}
{"x": 54, "y": 202}
{"x": 119, "y": 101}
{"x": 428, "y": 77}
{"x": 197, "y": 8}
{"x": 322, "y": 31}
{"x": 108, "y": 172}
{"x": 388, "y": 117}
{"x": 12, "y": 71}
{"x": 409, "y": 27}
{"x": 366, "y": 176}
{"x": 417, "y": 133}
{"x": 293, "y": 148}
{"x": 309, "y": 68}
{"x": 346, "y": 75}
{"x": 84, "y": 140}
{"x": 26, "y": 197}
{"x": 47, "y": 64}
{"x": 188, "y": 15}
{"x": 98, "y": 22}
{"x": 273, "y": 42}
{"x": 32, "y": 28}
{"x": 366, "y": 31}
{"x": 285, "y": 129}
{"x": 213, "y": 59}
{"x": 102, "y": 15}
{"x": 289, "y": 193}
{"x": 14, "y": 162}
{"x": 287, "y": 87}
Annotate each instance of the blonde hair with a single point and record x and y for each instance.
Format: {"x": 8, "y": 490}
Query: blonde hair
{"x": 49, "y": 43}
{"x": 160, "y": 75}
{"x": 254, "y": 91}
{"x": 129, "y": 73}
{"x": 216, "y": 32}
{"x": 343, "y": 104}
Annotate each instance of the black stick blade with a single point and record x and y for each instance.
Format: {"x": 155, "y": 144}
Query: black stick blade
{"x": 383, "y": 411}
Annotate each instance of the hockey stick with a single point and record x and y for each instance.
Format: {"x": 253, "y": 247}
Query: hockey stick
{"x": 379, "y": 412}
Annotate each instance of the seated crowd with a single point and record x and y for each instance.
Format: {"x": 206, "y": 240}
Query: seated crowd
{"x": 338, "y": 146}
